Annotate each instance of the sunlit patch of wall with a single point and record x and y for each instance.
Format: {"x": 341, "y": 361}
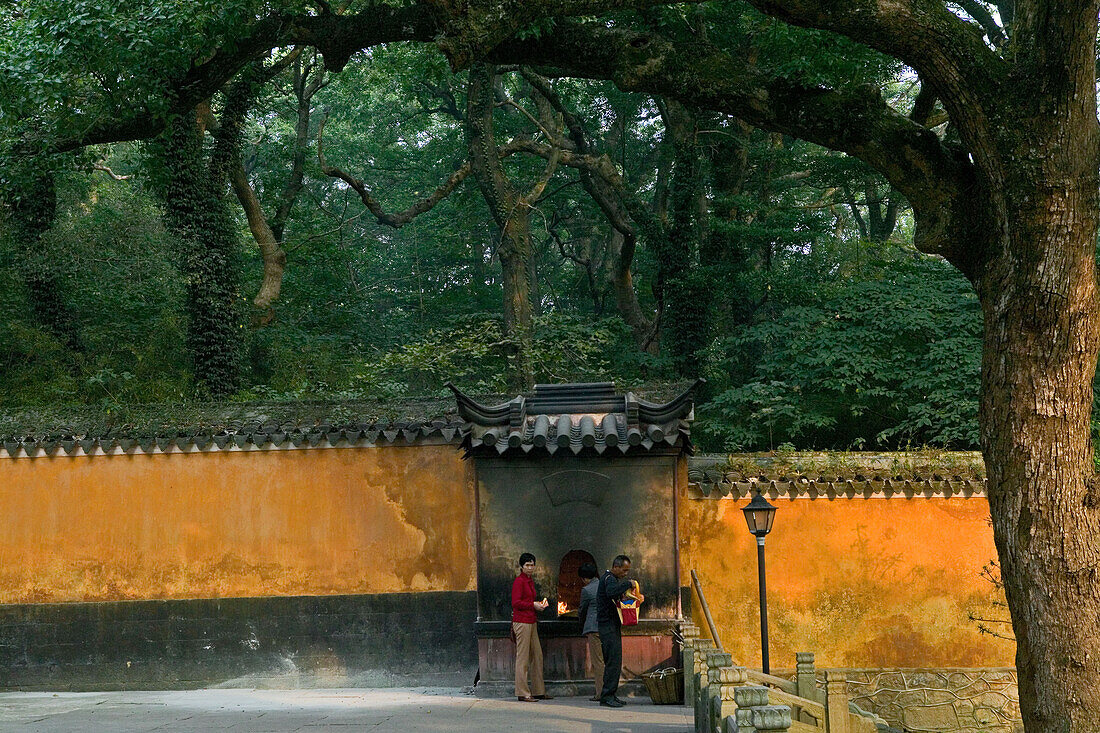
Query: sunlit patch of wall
{"x": 862, "y": 582}
{"x": 221, "y": 524}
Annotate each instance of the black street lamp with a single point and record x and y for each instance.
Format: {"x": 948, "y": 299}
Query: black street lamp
{"x": 759, "y": 515}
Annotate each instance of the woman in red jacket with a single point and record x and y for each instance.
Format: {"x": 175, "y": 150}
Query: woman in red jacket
{"x": 526, "y": 632}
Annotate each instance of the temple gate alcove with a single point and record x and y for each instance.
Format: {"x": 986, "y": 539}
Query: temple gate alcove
{"x": 567, "y": 471}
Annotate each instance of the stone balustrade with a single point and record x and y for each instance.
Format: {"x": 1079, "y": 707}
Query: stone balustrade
{"x": 716, "y": 661}
{"x": 718, "y": 690}
{"x": 806, "y": 676}
{"x": 754, "y": 714}
{"x": 725, "y": 702}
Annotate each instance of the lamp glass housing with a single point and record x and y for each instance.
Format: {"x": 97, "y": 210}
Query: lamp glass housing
{"x": 759, "y": 515}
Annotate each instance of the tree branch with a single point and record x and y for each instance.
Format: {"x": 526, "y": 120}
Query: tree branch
{"x": 274, "y": 257}
{"x": 307, "y": 81}
{"x": 923, "y": 33}
{"x": 551, "y": 166}
{"x": 104, "y": 168}
{"x": 401, "y": 218}
{"x": 984, "y": 18}
{"x": 572, "y": 122}
{"x": 934, "y": 179}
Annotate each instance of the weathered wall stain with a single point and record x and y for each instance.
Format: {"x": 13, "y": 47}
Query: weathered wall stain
{"x": 861, "y": 582}
{"x": 235, "y": 524}
{"x": 355, "y": 640}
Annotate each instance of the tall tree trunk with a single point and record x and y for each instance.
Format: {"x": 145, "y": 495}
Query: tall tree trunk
{"x": 683, "y": 291}
{"x": 534, "y": 291}
{"x": 1039, "y": 361}
{"x": 1037, "y": 284}
{"x": 511, "y": 210}
{"x": 621, "y": 278}
{"x": 196, "y": 213}
{"x": 728, "y": 255}
{"x": 33, "y": 211}
{"x": 514, "y": 252}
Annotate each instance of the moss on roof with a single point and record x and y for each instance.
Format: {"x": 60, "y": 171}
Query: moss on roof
{"x": 212, "y": 418}
{"x": 841, "y": 466}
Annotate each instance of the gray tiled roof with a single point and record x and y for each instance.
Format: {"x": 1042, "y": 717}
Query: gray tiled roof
{"x": 236, "y": 436}
{"x": 84, "y": 430}
{"x": 69, "y": 430}
{"x": 837, "y": 474}
{"x": 576, "y": 418}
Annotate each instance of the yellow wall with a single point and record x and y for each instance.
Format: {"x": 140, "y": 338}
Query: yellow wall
{"x": 236, "y": 523}
{"x": 861, "y": 582}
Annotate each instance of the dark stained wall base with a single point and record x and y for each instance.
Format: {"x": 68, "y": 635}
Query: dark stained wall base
{"x": 383, "y": 640}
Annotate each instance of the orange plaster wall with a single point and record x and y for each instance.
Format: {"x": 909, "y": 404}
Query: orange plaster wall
{"x": 236, "y": 523}
{"x": 861, "y": 582}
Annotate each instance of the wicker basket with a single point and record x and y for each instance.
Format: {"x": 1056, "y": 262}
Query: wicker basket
{"x": 665, "y": 686}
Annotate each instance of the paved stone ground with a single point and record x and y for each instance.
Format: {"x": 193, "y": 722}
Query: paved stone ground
{"x": 311, "y": 711}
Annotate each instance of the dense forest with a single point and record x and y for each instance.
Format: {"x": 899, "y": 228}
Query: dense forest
{"x": 265, "y": 199}
{"x": 312, "y": 235}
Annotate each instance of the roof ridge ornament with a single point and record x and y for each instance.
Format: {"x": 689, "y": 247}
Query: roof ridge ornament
{"x": 579, "y": 417}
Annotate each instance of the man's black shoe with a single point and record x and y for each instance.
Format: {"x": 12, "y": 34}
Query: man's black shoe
{"x": 612, "y": 703}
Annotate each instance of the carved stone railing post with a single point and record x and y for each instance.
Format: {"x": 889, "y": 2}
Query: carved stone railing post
{"x": 771, "y": 719}
{"x": 755, "y": 715}
{"x": 729, "y": 679}
{"x": 716, "y": 660}
{"x": 836, "y": 702}
{"x": 806, "y": 675}
{"x": 703, "y": 647}
{"x": 690, "y": 634}
{"x": 746, "y": 698}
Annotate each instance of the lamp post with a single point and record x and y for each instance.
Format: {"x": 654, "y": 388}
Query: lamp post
{"x": 759, "y": 515}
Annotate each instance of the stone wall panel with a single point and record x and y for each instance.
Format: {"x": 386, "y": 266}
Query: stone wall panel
{"x": 940, "y": 700}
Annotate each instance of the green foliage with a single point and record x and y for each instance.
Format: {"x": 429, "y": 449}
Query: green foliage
{"x": 743, "y": 246}
{"x": 886, "y": 353}
{"x": 63, "y": 62}
{"x": 810, "y": 57}
{"x": 122, "y": 296}
{"x": 473, "y": 352}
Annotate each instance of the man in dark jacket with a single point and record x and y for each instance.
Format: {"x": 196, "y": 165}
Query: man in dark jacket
{"x": 613, "y": 584}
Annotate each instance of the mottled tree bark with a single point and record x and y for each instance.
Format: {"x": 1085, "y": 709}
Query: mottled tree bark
{"x": 512, "y": 212}
{"x": 1039, "y": 298}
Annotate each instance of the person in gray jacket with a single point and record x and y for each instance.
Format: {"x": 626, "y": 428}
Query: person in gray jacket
{"x": 590, "y": 626}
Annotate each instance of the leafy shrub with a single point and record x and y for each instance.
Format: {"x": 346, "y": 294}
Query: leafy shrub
{"x": 888, "y": 355}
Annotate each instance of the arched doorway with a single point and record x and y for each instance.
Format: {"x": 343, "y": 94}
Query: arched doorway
{"x": 569, "y": 583}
